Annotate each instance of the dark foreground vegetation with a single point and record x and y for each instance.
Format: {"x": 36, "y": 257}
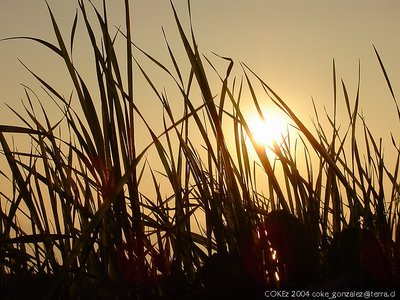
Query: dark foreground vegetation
{"x": 76, "y": 223}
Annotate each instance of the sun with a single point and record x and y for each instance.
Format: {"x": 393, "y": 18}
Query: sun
{"x": 269, "y": 131}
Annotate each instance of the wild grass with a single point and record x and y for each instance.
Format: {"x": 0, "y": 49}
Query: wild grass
{"x": 78, "y": 218}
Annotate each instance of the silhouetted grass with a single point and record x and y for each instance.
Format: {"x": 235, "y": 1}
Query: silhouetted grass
{"x": 92, "y": 232}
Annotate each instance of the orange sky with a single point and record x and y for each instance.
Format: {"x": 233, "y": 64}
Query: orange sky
{"x": 290, "y": 44}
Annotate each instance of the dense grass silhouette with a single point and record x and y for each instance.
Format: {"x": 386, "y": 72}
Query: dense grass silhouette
{"x": 90, "y": 232}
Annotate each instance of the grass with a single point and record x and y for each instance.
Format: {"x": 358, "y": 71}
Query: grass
{"x": 78, "y": 225}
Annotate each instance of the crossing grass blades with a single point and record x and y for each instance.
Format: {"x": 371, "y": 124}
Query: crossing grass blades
{"x": 78, "y": 225}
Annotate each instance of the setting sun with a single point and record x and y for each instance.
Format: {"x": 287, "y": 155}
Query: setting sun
{"x": 268, "y": 131}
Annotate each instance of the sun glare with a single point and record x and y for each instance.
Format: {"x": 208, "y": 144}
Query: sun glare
{"x": 271, "y": 130}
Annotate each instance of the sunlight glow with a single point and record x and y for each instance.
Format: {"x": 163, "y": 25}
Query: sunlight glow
{"x": 277, "y": 276}
{"x": 269, "y": 131}
{"x": 274, "y": 255}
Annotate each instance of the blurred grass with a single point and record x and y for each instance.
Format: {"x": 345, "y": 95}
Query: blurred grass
{"x": 91, "y": 227}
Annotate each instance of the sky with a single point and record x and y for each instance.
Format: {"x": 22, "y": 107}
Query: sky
{"x": 289, "y": 44}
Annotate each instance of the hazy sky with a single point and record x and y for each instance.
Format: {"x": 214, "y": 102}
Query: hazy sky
{"x": 290, "y": 44}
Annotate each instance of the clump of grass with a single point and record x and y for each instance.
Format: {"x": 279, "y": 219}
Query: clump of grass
{"x": 90, "y": 226}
